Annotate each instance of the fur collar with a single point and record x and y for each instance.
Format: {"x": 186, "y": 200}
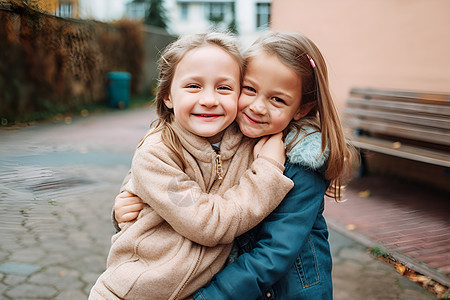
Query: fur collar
{"x": 307, "y": 152}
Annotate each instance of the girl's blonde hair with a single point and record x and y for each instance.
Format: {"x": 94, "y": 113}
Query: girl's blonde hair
{"x": 301, "y": 55}
{"x": 168, "y": 62}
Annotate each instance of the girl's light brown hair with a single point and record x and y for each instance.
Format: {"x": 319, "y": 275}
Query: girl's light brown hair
{"x": 293, "y": 50}
{"x": 168, "y": 63}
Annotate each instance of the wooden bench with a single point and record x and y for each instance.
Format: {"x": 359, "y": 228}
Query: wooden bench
{"x": 410, "y": 125}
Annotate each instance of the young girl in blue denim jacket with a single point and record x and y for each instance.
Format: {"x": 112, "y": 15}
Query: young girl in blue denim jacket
{"x": 287, "y": 256}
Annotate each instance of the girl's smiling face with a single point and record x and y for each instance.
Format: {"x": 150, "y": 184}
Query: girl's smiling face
{"x": 204, "y": 91}
{"x": 270, "y": 97}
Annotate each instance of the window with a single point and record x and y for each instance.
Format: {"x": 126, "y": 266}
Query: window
{"x": 136, "y": 11}
{"x": 184, "y": 10}
{"x": 216, "y": 12}
{"x": 64, "y": 10}
{"x": 262, "y": 15}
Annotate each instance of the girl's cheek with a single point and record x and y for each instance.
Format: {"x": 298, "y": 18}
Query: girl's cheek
{"x": 242, "y": 102}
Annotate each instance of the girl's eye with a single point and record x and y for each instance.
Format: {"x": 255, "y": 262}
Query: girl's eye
{"x": 249, "y": 88}
{"x": 225, "y": 88}
{"x": 278, "y": 100}
{"x": 193, "y": 86}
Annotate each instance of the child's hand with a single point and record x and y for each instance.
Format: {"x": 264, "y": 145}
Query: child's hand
{"x": 271, "y": 147}
{"x": 127, "y": 207}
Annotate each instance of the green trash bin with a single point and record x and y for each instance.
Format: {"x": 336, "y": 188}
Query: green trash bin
{"x": 119, "y": 89}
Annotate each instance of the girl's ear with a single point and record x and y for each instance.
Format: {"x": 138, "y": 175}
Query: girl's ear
{"x": 303, "y": 110}
{"x": 168, "y": 101}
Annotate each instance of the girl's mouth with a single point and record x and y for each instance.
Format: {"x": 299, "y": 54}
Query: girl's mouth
{"x": 253, "y": 121}
{"x": 207, "y": 116}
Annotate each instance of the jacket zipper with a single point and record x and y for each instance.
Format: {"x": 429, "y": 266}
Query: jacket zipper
{"x": 218, "y": 159}
{"x": 219, "y": 170}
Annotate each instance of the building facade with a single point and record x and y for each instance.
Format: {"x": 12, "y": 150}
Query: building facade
{"x": 246, "y": 17}
{"x": 60, "y": 8}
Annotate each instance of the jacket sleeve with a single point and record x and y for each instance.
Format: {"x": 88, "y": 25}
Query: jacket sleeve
{"x": 279, "y": 241}
{"x": 207, "y": 219}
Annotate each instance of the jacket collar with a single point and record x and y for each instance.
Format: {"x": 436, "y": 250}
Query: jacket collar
{"x": 308, "y": 152}
{"x": 202, "y": 150}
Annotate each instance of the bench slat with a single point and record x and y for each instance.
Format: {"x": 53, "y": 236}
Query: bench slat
{"x": 401, "y": 106}
{"x": 405, "y": 151}
{"x": 409, "y": 96}
{"x": 441, "y": 137}
{"x": 424, "y": 120}
{"x": 412, "y": 125}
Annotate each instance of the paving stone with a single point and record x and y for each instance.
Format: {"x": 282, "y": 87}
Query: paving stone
{"x": 382, "y": 287}
{"x": 407, "y": 284}
{"x": 12, "y": 280}
{"x": 379, "y": 266}
{"x": 71, "y": 295}
{"x": 28, "y": 255}
{"x": 90, "y": 278}
{"x": 344, "y": 289}
{"x": 356, "y": 254}
{"x": 54, "y": 258}
{"x": 416, "y": 295}
{"x": 54, "y": 245}
{"x": 348, "y": 267}
{"x": 93, "y": 263}
{"x": 3, "y": 288}
{"x": 18, "y": 268}
{"x": 10, "y": 245}
{"x": 3, "y": 254}
{"x": 60, "y": 278}
{"x": 26, "y": 290}
{"x": 28, "y": 242}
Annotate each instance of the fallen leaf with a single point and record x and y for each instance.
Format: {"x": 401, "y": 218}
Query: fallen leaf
{"x": 439, "y": 289}
{"x": 350, "y": 227}
{"x": 364, "y": 194}
{"x": 421, "y": 279}
{"x": 396, "y": 145}
{"x": 400, "y": 268}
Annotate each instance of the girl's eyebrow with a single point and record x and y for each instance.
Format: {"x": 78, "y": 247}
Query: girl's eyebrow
{"x": 283, "y": 94}
{"x": 275, "y": 91}
{"x": 246, "y": 79}
{"x": 228, "y": 78}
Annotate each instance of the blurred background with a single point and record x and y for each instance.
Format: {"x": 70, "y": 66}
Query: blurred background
{"x": 57, "y": 56}
{"x": 77, "y": 81}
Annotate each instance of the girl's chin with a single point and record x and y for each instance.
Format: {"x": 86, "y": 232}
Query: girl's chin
{"x": 251, "y": 133}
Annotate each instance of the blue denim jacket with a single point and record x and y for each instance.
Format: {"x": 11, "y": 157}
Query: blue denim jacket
{"x": 287, "y": 256}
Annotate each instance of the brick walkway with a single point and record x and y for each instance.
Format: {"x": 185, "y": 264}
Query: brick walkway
{"x": 407, "y": 219}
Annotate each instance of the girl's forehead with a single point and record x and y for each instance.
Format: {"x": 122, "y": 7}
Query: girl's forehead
{"x": 207, "y": 50}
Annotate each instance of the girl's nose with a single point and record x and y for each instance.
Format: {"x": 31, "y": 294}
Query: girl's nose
{"x": 258, "y": 106}
{"x": 208, "y": 99}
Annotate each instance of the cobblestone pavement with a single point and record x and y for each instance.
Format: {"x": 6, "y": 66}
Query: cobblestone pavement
{"x": 57, "y": 185}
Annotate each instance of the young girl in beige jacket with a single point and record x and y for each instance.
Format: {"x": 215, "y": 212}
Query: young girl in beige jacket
{"x": 203, "y": 183}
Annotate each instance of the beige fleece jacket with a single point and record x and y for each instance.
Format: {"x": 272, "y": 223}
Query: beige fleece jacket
{"x": 185, "y": 232}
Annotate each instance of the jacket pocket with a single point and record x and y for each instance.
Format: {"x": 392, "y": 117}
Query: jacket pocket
{"x": 306, "y": 265}
{"x": 123, "y": 277}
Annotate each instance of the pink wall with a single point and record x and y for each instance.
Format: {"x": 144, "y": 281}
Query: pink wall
{"x": 392, "y": 44}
